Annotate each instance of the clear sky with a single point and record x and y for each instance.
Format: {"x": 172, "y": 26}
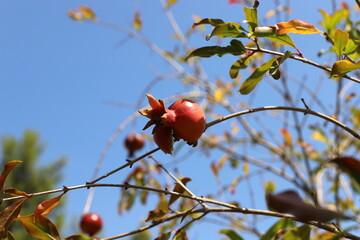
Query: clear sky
{"x": 62, "y": 78}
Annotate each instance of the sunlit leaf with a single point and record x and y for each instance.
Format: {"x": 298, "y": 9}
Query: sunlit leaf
{"x": 251, "y": 17}
{"x": 155, "y": 214}
{"x": 229, "y": 29}
{"x": 282, "y": 39}
{"x": 290, "y": 202}
{"x": 251, "y": 82}
{"x": 179, "y": 189}
{"x": 287, "y": 137}
{"x": 331, "y": 21}
{"x": 211, "y": 21}
{"x": 296, "y": 26}
{"x": 75, "y": 15}
{"x": 319, "y": 135}
{"x": 180, "y": 235}
{"x": 234, "y": 48}
{"x": 270, "y": 187}
{"x": 352, "y": 47}
{"x": 242, "y": 63}
{"x": 15, "y": 192}
{"x": 341, "y": 67}
{"x": 8, "y": 215}
{"x": 87, "y": 12}
{"x": 9, "y": 166}
{"x": 164, "y": 236}
{"x": 298, "y": 233}
{"x": 40, "y": 227}
{"x": 170, "y": 3}
{"x": 231, "y": 234}
{"x": 281, "y": 225}
{"x": 79, "y": 237}
{"x": 46, "y": 206}
{"x": 137, "y": 22}
{"x": 340, "y": 41}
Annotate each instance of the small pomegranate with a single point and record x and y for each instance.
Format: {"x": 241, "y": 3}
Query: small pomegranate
{"x": 91, "y": 223}
{"x": 184, "y": 119}
{"x": 134, "y": 142}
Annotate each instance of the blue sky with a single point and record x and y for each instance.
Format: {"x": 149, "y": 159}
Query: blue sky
{"x": 59, "y": 77}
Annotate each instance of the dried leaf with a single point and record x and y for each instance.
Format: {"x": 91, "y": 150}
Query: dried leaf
{"x": 287, "y": 137}
{"x": 291, "y": 203}
{"x": 9, "y": 166}
{"x": 75, "y": 15}
{"x": 296, "y": 26}
{"x": 179, "y": 189}
{"x": 154, "y": 215}
{"x": 14, "y": 192}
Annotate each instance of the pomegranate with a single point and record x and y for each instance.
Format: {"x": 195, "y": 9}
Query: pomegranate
{"x": 134, "y": 142}
{"x": 184, "y": 119}
{"x": 91, "y": 223}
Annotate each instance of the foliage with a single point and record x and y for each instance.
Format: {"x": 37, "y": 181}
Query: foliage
{"x": 28, "y": 176}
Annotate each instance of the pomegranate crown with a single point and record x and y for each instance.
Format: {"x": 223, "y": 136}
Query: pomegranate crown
{"x": 155, "y": 112}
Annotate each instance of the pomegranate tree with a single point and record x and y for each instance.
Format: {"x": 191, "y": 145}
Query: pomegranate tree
{"x": 184, "y": 119}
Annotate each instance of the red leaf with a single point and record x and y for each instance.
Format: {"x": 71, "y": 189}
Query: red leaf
{"x": 7, "y": 169}
{"x": 46, "y": 206}
{"x": 8, "y": 215}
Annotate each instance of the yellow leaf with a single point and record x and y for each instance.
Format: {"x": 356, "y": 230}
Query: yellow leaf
{"x": 218, "y": 95}
{"x": 296, "y": 26}
{"x": 137, "y": 23}
{"x": 77, "y": 16}
{"x": 170, "y": 3}
{"x": 287, "y": 137}
{"x": 340, "y": 68}
{"x": 87, "y": 13}
{"x": 317, "y": 135}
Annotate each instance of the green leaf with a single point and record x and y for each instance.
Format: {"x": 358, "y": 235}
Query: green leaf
{"x": 10, "y": 236}
{"x": 229, "y": 29}
{"x": 40, "y": 227}
{"x": 8, "y": 215}
{"x": 340, "y": 68}
{"x": 79, "y": 237}
{"x": 274, "y": 70}
{"x": 251, "y": 18}
{"x": 180, "y": 235}
{"x": 340, "y": 41}
{"x": 164, "y": 236}
{"x": 283, "y": 39}
{"x": 242, "y": 63}
{"x": 298, "y": 233}
{"x": 331, "y": 21}
{"x": 231, "y": 234}
{"x": 351, "y": 47}
{"x": 251, "y": 82}
{"x": 211, "y": 21}
{"x": 281, "y": 225}
{"x": 236, "y": 48}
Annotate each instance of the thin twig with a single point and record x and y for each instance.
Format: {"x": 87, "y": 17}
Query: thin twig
{"x": 272, "y": 108}
{"x": 301, "y": 59}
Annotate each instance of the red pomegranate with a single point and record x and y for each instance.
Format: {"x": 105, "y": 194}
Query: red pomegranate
{"x": 134, "y": 142}
{"x": 91, "y": 223}
{"x": 184, "y": 119}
